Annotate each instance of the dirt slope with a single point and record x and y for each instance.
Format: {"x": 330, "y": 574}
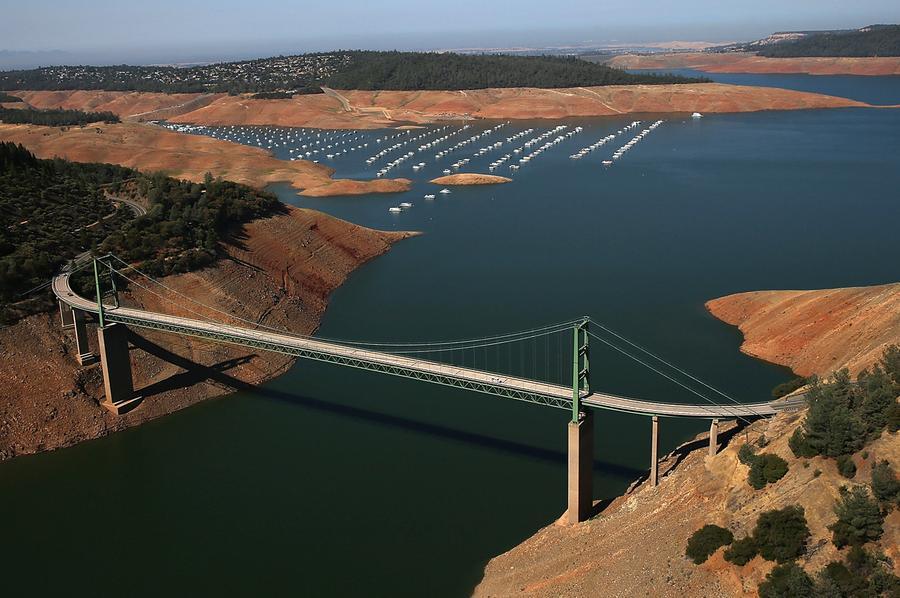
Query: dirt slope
{"x": 149, "y": 148}
{"x": 280, "y": 275}
{"x": 739, "y": 62}
{"x": 636, "y": 546}
{"x": 815, "y": 332}
{"x": 374, "y": 109}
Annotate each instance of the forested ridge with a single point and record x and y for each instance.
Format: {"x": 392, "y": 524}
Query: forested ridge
{"x": 54, "y": 117}
{"x": 305, "y": 73}
{"x": 53, "y": 210}
{"x": 877, "y": 40}
{"x": 431, "y": 71}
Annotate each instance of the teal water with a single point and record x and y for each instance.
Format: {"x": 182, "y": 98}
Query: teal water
{"x": 329, "y": 482}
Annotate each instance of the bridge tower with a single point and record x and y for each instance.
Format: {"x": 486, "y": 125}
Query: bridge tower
{"x": 580, "y": 432}
{"x": 114, "y": 358}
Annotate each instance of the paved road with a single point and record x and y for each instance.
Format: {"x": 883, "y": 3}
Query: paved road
{"x": 484, "y": 381}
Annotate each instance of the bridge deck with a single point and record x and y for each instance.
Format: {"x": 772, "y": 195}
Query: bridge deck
{"x": 487, "y": 382}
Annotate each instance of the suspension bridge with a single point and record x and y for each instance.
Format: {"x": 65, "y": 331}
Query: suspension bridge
{"x": 548, "y": 366}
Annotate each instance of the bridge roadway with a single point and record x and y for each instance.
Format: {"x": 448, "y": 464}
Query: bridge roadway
{"x": 552, "y": 395}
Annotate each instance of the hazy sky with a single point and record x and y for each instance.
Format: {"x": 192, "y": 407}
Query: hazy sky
{"x": 185, "y": 30}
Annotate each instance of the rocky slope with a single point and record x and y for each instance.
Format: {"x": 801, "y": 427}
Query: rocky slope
{"x": 374, "y": 109}
{"x": 280, "y": 275}
{"x": 635, "y": 547}
{"x": 741, "y": 62}
{"x": 815, "y": 332}
{"x": 148, "y": 148}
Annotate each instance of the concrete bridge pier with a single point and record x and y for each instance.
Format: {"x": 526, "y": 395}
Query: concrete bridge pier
{"x": 85, "y": 355}
{"x": 654, "y": 452}
{"x": 116, "y": 363}
{"x": 66, "y": 315}
{"x": 580, "y": 469}
{"x": 713, "y": 437}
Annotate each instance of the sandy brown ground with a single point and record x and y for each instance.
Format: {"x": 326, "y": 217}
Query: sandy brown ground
{"x": 280, "y": 274}
{"x": 373, "y": 109}
{"x": 150, "y": 148}
{"x": 470, "y": 178}
{"x": 741, "y": 62}
{"x": 635, "y": 547}
{"x": 815, "y": 332}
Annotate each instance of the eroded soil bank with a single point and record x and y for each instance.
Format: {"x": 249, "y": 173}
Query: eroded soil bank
{"x": 279, "y": 274}
{"x": 818, "y": 331}
{"x": 743, "y": 62}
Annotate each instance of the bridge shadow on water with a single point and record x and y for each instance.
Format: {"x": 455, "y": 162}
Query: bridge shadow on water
{"x": 195, "y": 373}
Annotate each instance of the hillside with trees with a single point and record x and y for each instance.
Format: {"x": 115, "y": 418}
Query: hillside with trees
{"x": 53, "y": 210}
{"x": 54, "y": 117}
{"x": 877, "y": 40}
{"x": 285, "y": 75}
{"x": 431, "y": 71}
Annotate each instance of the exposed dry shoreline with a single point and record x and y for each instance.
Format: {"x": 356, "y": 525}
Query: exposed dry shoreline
{"x": 370, "y": 109}
{"x": 742, "y": 62}
{"x": 280, "y": 274}
{"x": 470, "y": 178}
{"x": 815, "y": 332}
{"x": 149, "y": 148}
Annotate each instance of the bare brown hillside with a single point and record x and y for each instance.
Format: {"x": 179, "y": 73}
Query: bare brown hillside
{"x": 280, "y": 274}
{"x": 148, "y": 148}
{"x": 815, "y": 332}
{"x": 374, "y": 109}
{"x": 635, "y": 547}
{"x": 742, "y": 62}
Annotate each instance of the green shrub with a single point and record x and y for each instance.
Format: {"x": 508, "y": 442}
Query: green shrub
{"x": 817, "y": 473}
{"x": 859, "y": 518}
{"x": 706, "y": 541}
{"x": 786, "y": 388}
{"x": 781, "y": 535}
{"x": 787, "y": 581}
{"x": 846, "y": 466}
{"x": 741, "y": 551}
{"x": 799, "y": 446}
{"x": 862, "y": 576}
{"x": 746, "y": 454}
{"x": 766, "y": 469}
{"x": 885, "y": 486}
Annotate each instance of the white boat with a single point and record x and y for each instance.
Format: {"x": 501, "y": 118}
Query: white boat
{"x": 446, "y": 171}
{"x": 696, "y": 115}
{"x": 429, "y": 196}
{"x": 406, "y": 205}
{"x": 444, "y": 191}
{"x": 607, "y": 162}
{"x": 394, "y": 210}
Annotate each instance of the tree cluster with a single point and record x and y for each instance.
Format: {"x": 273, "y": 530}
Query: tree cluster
{"x": 284, "y": 76}
{"x": 54, "y": 117}
{"x": 448, "y": 71}
{"x": 185, "y": 223}
{"x": 53, "y": 210}
{"x": 50, "y": 210}
{"x": 878, "y": 40}
{"x": 765, "y": 468}
{"x": 844, "y": 417}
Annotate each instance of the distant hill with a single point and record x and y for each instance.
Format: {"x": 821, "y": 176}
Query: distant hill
{"x": 876, "y": 40}
{"x": 305, "y": 73}
{"x": 871, "y": 41}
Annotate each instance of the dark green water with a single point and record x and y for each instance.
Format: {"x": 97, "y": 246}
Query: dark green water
{"x": 329, "y": 482}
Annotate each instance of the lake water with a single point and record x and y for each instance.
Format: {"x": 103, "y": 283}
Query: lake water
{"x": 334, "y": 482}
